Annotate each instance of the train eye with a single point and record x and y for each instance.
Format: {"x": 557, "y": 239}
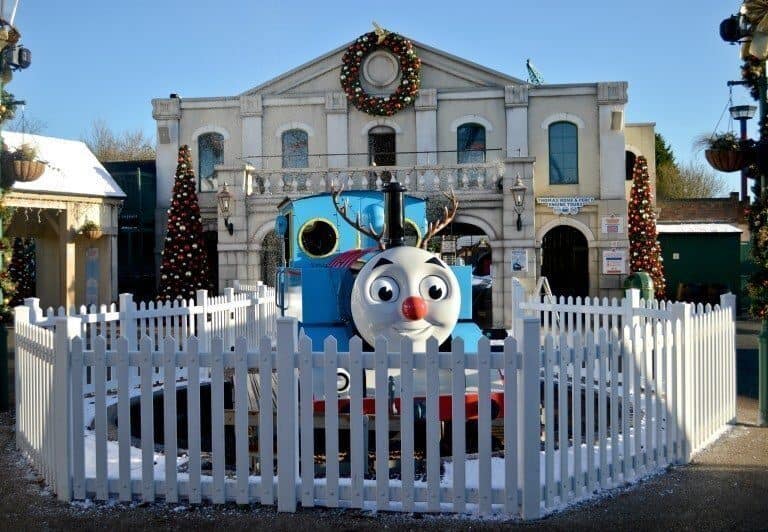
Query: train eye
{"x": 433, "y": 288}
{"x": 384, "y": 289}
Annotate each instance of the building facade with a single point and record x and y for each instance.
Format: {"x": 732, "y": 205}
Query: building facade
{"x": 469, "y": 129}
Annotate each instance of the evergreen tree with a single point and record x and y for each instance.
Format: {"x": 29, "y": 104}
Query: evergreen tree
{"x": 758, "y": 282}
{"x": 644, "y": 248}
{"x": 184, "y": 267}
{"x": 22, "y": 270}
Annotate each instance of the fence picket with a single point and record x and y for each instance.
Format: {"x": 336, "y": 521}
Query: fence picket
{"x": 242, "y": 457}
{"x": 589, "y": 433}
{"x": 602, "y": 423}
{"x": 433, "y": 428}
{"x": 637, "y": 361}
{"x": 100, "y": 420}
{"x": 562, "y": 411}
{"x": 458, "y": 425}
{"x": 217, "y": 419}
{"x": 484, "y": 425}
{"x": 381, "y": 408}
{"x": 267, "y": 423}
{"x": 123, "y": 419}
{"x": 193, "y": 419}
{"x": 306, "y": 413}
{"x": 578, "y": 359}
{"x": 147, "y": 421}
{"x": 549, "y": 419}
{"x": 358, "y": 440}
{"x": 332, "y": 423}
{"x": 615, "y": 354}
{"x": 406, "y": 425}
{"x": 170, "y": 441}
{"x": 511, "y": 448}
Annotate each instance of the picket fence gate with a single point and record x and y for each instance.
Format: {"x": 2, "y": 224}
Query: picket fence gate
{"x": 581, "y": 412}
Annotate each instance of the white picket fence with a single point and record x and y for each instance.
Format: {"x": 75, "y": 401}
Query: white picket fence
{"x": 250, "y": 314}
{"x": 634, "y": 400}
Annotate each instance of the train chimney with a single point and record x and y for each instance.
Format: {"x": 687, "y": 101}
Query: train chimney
{"x": 394, "y": 212}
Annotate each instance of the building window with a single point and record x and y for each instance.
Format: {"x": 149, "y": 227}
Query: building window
{"x": 382, "y": 149}
{"x": 470, "y": 143}
{"x": 563, "y": 154}
{"x": 295, "y": 149}
{"x": 630, "y": 165}
{"x": 210, "y": 152}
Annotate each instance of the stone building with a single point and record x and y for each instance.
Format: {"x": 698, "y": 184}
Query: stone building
{"x": 470, "y": 128}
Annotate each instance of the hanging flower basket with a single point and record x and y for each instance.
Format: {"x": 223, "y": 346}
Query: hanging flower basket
{"x": 23, "y": 170}
{"x": 726, "y": 160}
{"x": 94, "y": 234}
{"x": 91, "y": 230}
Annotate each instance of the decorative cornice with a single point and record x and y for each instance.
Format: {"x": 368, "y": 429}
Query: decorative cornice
{"x": 335, "y": 102}
{"x": 516, "y": 96}
{"x": 166, "y": 108}
{"x": 612, "y": 92}
{"x": 426, "y": 100}
{"x": 251, "y": 105}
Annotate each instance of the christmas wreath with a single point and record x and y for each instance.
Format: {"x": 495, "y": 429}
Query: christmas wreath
{"x": 410, "y": 66}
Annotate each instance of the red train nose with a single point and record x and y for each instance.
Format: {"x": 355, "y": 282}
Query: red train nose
{"x": 414, "y": 308}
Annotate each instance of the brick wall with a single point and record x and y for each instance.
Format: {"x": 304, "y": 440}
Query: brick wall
{"x": 701, "y": 210}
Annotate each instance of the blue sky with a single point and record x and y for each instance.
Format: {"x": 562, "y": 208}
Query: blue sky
{"x": 104, "y": 59}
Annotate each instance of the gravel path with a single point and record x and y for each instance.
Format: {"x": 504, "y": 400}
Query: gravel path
{"x": 726, "y": 487}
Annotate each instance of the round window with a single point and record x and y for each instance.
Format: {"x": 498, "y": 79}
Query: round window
{"x": 318, "y": 238}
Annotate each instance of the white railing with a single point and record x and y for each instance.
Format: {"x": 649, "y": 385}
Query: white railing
{"x": 478, "y": 177}
{"x": 631, "y": 403}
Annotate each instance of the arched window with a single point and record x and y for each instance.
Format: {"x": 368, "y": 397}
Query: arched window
{"x": 563, "y": 154}
{"x": 382, "y": 149}
{"x": 470, "y": 143}
{"x": 295, "y": 148}
{"x": 630, "y": 159}
{"x": 210, "y": 152}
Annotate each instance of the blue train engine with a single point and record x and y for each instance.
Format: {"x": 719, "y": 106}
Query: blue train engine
{"x": 329, "y": 239}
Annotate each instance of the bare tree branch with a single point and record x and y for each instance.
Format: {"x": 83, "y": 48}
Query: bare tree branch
{"x": 109, "y": 146}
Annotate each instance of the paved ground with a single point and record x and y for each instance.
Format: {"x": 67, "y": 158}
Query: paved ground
{"x": 726, "y": 487}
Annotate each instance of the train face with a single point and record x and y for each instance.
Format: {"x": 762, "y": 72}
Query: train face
{"x": 336, "y": 279}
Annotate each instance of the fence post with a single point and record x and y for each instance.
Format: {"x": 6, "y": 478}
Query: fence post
{"x": 201, "y": 319}
{"x": 229, "y": 330}
{"x": 66, "y": 329}
{"x": 35, "y": 312}
{"x": 236, "y": 286}
{"x": 529, "y": 427}
{"x": 262, "y": 310}
{"x": 729, "y": 301}
{"x": 287, "y": 418}
{"x": 682, "y": 312}
{"x": 518, "y": 297}
{"x": 21, "y": 315}
{"x": 128, "y": 320}
{"x": 631, "y": 302}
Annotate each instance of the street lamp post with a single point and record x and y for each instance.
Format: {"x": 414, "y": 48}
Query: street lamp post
{"x": 12, "y": 57}
{"x": 742, "y": 113}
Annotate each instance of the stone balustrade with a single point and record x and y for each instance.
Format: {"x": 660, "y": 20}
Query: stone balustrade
{"x": 478, "y": 177}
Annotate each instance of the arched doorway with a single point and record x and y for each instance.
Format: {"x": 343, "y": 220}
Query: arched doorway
{"x": 565, "y": 261}
{"x": 271, "y": 257}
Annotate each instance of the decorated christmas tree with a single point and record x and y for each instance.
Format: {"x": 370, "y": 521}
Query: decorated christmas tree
{"x": 758, "y": 282}
{"x": 184, "y": 267}
{"x": 644, "y": 248}
{"x": 22, "y": 270}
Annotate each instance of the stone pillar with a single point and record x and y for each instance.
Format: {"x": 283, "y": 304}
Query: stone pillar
{"x": 337, "y": 131}
{"x": 167, "y": 114}
{"x": 251, "y": 112}
{"x": 426, "y": 127}
{"x": 516, "y": 104}
{"x": 232, "y": 249}
{"x": 611, "y": 98}
{"x": 514, "y": 240}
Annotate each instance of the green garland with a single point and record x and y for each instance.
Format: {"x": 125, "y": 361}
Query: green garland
{"x": 410, "y": 67}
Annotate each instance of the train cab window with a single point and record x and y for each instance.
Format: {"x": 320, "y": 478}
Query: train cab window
{"x": 318, "y": 238}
